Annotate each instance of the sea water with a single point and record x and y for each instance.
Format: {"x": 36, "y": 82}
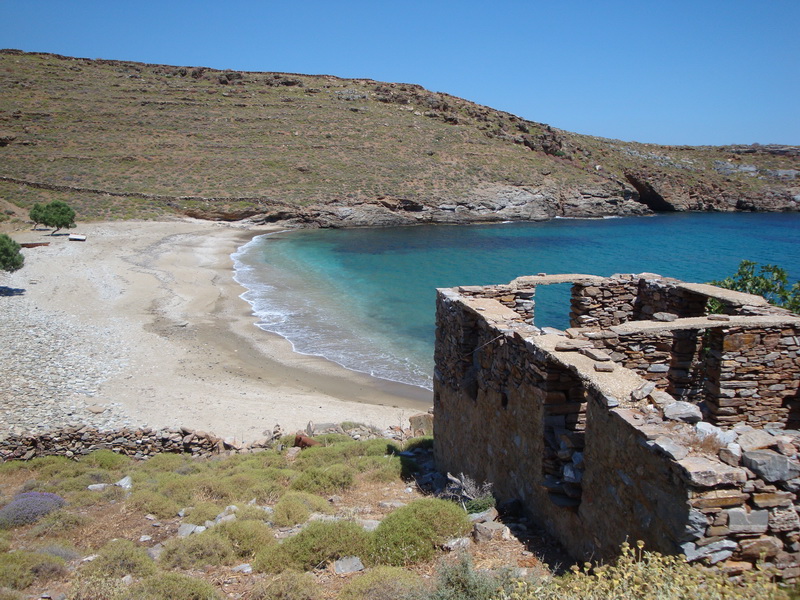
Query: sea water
{"x": 365, "y": 298}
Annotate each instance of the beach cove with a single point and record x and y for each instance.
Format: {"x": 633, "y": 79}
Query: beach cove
{"x": 143, "y": 324}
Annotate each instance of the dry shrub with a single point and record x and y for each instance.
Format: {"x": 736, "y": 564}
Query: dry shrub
{"x": 289, "y": 585}
{"x": 199, "y": 550}
{"x": 173, "y": 586}
{"x": 119, "y": 558}
{"x": 637, "y": 574}
{"x": 246, "y": 537}
{"x": 20, "y": 569}
{"x": 384, "y": 583}
{"x": 296, "y": 507}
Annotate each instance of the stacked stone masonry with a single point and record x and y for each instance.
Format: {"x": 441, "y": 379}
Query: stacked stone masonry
{"x": 648, "y": 419}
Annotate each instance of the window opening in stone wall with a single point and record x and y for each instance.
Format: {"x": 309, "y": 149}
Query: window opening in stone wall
{"x": 553, "y": 305}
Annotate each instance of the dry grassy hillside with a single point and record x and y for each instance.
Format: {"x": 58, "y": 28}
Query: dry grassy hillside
{"x": 124, "y": 140}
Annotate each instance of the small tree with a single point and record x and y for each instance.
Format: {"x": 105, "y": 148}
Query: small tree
{"x": 10, "y": 257}
{"x": 58, "y": 214}
{"x": 771, "y": 282}
{"x": 36, "y": 214}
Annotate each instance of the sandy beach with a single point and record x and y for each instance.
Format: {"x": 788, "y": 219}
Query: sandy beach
{"x": 151, "y": 313}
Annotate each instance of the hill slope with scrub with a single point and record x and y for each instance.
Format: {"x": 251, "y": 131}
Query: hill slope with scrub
{"x": 120, "y": 139}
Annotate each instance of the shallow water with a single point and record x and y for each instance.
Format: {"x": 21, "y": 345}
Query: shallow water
{"x": 365, "y": 298}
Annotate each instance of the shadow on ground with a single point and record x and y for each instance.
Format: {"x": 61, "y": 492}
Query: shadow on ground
{"x": 9, "y": 291}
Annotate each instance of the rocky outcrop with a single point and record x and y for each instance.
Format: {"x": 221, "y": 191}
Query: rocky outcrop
{"x": 662, "y": 191}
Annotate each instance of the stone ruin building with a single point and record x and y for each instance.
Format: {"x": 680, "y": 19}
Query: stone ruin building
{"x": 648, "y": 419}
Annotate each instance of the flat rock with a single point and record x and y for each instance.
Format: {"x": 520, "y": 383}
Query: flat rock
{"x": 671, "y": 448}
{"x": 243, "y": 568}
{"x": 770, "y": 465}
{"x": 703, "y": 472}
{"x": 461, "y": 543}
{"x": 489, "y": 514}
{"x": 643, "y": 391}
{"x": 569, "y": 345}
{"x": 595, "y": 354}
{"x": 484, "y": 532}
{"x": 755, "y": 440}
{"x": 740, "y": 520}
{"x": 187, "y": 529}
{"x": 661, "y": 398}
{"x": 693, "y": 552}
{"x": 347, "y": 565}
{"x": 731, "y": 454}
{"x": 766, "y": 547}
{"x": 369, "y": 524}
{"x": 685, "y": 412}
{"x": 665, "y": 317}
{"x": 604, "y": 367}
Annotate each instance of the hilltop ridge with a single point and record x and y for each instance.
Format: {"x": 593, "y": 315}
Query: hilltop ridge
{"x": 122, "y": 139}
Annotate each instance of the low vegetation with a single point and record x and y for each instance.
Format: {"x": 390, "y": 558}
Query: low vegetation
{"x": 289, "y": 537}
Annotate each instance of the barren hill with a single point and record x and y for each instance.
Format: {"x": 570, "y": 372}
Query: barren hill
{"x": 130, "y": 140}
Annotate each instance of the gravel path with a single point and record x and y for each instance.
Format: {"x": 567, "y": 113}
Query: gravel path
{"x": 52, "y": 368}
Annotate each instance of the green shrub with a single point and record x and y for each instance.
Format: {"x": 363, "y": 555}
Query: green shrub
{"x": 202, "y": 512}
{"x": 266, "y": 492}
{"x": 296, "y": 507}
{"x": 172, "y": 586}
{"x": 317, "y": 544}
{"x": 20, "y": 569}
{"x": 198, "y": 550}
{"x": 59, "y": 522}
{"x": 246, "y": 537}
{"x": 166, "y": 462}
{"x": 324, "y": 480}
{"x": 384, "y": 583}
{"x": 289, "y": 585}
{"x": 149, "y": 501}
{"x": 412, "y": 533}
{"x": 480, "y": 504}
{"x": 253, "y": 513}
{"x": 457, "y": 580}
{"x": 107, "y": 459}
{"x": 382, "y": 469}
{"x": 119, "y": 558}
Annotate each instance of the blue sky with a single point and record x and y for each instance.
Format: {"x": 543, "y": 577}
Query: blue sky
{"x": 669, "y": 72}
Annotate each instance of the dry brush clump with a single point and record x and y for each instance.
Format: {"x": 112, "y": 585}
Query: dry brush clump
{"x": 638, "y": 574}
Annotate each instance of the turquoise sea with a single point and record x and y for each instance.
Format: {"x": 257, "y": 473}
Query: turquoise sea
{"x": 364, "y": 298}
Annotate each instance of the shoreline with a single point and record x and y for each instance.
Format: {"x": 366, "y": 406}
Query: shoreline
{"x": 191, "y": 354}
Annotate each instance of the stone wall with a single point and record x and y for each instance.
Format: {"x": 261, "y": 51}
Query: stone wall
{"x": 607, "y": 433}
{"x": 753, "y": 375}
{"x": 139, "y": 443}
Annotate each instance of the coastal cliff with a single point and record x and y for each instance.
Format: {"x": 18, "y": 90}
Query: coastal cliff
{"x": 132, "y": 140}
